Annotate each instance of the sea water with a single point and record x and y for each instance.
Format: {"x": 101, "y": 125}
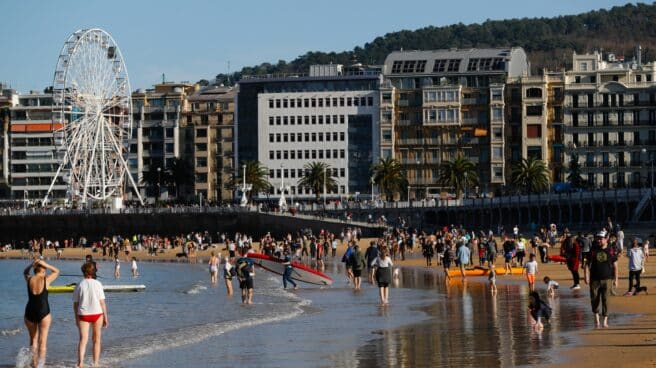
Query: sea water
{"x": 181, "y": 320}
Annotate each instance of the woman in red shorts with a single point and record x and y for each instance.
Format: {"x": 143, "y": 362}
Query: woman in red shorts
{"x": 90, "y": 310}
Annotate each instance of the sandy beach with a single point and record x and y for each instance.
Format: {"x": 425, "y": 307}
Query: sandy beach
{"x": 628, "y": 343}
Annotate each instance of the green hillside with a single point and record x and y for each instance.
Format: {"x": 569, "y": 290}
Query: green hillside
{"x": 548, "y": 41}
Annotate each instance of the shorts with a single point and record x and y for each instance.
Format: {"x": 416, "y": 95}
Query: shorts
{"x": 531, "y": 278}
{"x": 357, "y": 273}
{"x": 91, "y": 318}
{"x": 508, "y": 257}
{"x": 214, "y": 269}
{"x": 246, "y": 284}
{"x": 231, "y": 253}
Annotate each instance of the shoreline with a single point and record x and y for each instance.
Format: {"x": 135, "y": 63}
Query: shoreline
{"x": 628, "y": 342}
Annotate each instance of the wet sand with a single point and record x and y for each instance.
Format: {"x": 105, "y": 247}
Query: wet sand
{"x": 627, "y": 342}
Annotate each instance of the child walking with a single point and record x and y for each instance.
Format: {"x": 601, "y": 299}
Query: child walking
{"x": 135, "y": 271}
{"x": 531, "y": 269}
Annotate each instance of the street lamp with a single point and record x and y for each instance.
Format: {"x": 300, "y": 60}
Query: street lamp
{"x": 325, "y": 168}
{"x": 371, "y": 180}
{"x": 651, "y": 163}
{"x": 244, "y": 188}
{"x": 466, "y": 185}
{"x": 283, "y": 202}
{"x": 25, "y": 199}
{"x": 159, "y": 182}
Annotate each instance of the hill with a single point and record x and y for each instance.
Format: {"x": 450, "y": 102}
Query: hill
{"x": 549, "y": 42}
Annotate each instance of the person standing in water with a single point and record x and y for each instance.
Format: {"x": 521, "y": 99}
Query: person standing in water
{"x": 117, "y": 267}
{"x": 287, "y": 276}
{"x": 357, "y": 265}
{"x": 135, "y": 269}
{"x": 383, "y": 266}
{"x": 90, "y": 311}
{"x": 37, "y": 310}
{"x": 228, "y": 273}
{"x": 214, "y": 268}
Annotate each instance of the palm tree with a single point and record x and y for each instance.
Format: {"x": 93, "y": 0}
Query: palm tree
{"x": 389, "y": 176}
{"x": 530, "y": 175}
{"x": 256, "y": 175}
{"x": 313, "y": 178}
{"x": 574, "y": 177}
{"x": 458, "y": 174}
{"x": 180, "y": 174}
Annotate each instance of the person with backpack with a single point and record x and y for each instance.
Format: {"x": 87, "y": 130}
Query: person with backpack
{"x": 370, "y": 254}
{"x": 357, "y": 265}
{"x": 346, "y": 259}
{"x": 571, "y": 250}
{"x": 245, "y": 274}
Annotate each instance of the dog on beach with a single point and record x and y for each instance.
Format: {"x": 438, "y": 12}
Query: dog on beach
{"x": 641, "y": 289}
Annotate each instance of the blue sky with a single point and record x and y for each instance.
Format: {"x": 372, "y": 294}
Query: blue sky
{"x": 195, "y": 39}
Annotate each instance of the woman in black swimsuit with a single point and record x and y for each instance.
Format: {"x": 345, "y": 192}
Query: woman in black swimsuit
{"x": 37, "y": 310}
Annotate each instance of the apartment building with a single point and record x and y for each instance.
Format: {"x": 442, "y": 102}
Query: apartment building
{"x": 8, "y": 99}
{"x": 436, "y": 105}
{"x": 211, "y": 121}
{"x": 159, "y": 136}
{"x": 610, "y": 119}
{"x": 330, "y": 115}
{"x": 33, "y": 139}
{"x": 535, "y": 122}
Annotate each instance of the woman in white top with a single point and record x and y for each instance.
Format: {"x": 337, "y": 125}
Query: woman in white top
{"x": 383, "y": 264}
{"x": 117, "y": 267}
{"x": 227, "y": 275}
{"x": 90, "y": 310}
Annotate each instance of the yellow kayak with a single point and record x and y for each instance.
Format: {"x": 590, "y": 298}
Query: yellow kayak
{"x": 482, "y": 271}
{"x": 107, "y": 288}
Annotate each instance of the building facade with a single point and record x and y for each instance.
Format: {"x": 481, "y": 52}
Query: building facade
{"x": 211, "y": 121}
{"x": 159, "y": 138}
{"x": 534, "y": 117}
{"x": 437, "y": 105}
{"x": 610, "y": 119}
{"x": 329, "y": 116}
{"x": 8, "y": 99}
{"x": 33, "y": 160}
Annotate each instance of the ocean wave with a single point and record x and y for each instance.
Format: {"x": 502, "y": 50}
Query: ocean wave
{"x": 10, "y": 332}
{"x": 197, "y": 288}
{"x": 151, "y": 344}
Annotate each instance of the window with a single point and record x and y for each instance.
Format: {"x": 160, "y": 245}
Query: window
{"x": 387, "y": 135}
{"x": 321, "y": 119}
{"x": 271, "y": 138}
{"x": 285, "y": 155}
{"x": 284, "y": 103}
{"x": 307, "y": 137}
{"x": 534, "y": 110}
{"x": 497, "y": 133}
{"x": 314, "y": 154}
{"x": 396, "y": 67}
{"x": 201, "y": 161}
{"x": 327, "y": 119}
{"x": 278, "y": 155}
{"x": 533, "y": 131}
{"x": 277, "y": 103}
{"x": 168, "y": 132}
{"x": 341, "y": 101}
{"x": 292, "y": 103}
{"x": 292, "y": 137}
{"x": 342, "y": 119}
{"x": 349, "y": 101}
{"x": 321, "y": 154}
{"x": 201, "y": 177}
{"x": 271, "y": 103}
{"x": 440, "y": 65}
{"x": 271, "y": 155}
{"x": 314, "y": 137}
{"x": 497, "y": 95}
{"x": 497, "y": 114}
{"x": 341, "y": 136}
{"x": 314, "y": 102}
{"x": 342, "y": 172}
{"x": 454, "y": 65}
{"x": 277, "y": 120}
{"x": 278, "y": 136}
{"x": 321, "y": 137}
{"x": 328, "y": 153}
{"x": 497, "y": 171}
{"x": 201, "y": 147}
{"x": 285, "y": 137}
{"x": 534, "y": 93}
{"x": 342, "y": 153}
{"x": 299, "y": 137}
{"x": 270, "y": 120}
{"x": 497, "y": 153}
{"x": 321, "y": 102}
{"x": 292, "y": 155}
{"x": 285, "y": 120}
{"x": 306, "y": 102}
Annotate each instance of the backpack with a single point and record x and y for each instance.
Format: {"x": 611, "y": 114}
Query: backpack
{"x": 357, "y": 260}
{"x": 243, "y": 268}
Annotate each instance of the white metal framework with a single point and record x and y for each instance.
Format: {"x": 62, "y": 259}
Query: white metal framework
{"x": 92, "y": 116}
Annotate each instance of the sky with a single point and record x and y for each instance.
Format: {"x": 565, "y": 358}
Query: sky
{"x": 197, "y": 39}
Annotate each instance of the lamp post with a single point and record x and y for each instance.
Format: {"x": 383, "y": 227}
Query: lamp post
{"x": 244, "y": 188}
{"x": 159, "y": 182}
{"x": 371, "y": 180}
{"x": 651, "y": 166}
{"x": 325, "y": 168}
{"x": 466, "y": 185}
{"x": 25, "y": 199}
{"x": 282, "y": 203}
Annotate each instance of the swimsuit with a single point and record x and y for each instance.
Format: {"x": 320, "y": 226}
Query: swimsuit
{"x": 214, "y": 268}
{"x": 37, "y": 307}
{"x": 91, "y": 318}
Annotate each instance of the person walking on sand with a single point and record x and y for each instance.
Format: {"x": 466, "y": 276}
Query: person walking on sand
{"x": 636, "y": 261}
{"x": 463, "y": 255}
{"x": 214, "y": 268}
{"x": 90, "y": 311}
{"x": 287, "y": 275}
{"x": 600, "y": 269}
{"x": 357, "y": 265}
{"x": 228, "y": 273}
{"x": 383, "y": 266}
{"x": 531, "y": 270}
{"x": 37, "y": 311}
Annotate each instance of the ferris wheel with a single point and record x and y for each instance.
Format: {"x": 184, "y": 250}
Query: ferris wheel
{"x": 92, "y": 118}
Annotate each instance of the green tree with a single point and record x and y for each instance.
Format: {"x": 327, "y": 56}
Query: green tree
{"x": 389, "y": 176}
{"x": 530, "y": 175}
{"x": 574, "y": 176}
{"x": 313, "y": 178}
{"x": 256, "y": 175}
{"x": 458, "y": 174}
{"x": 180, "y": 175}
